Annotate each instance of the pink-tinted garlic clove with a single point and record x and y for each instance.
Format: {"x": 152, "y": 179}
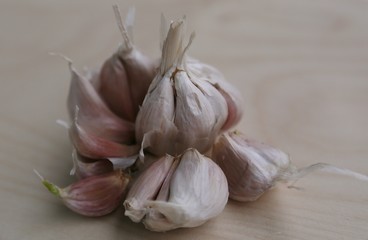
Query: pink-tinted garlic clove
{"x": 125, "y": 77}
{"x": 93, "y": 196}
{"x": 234, "y": 107}
{"x": 92, "y": 146}
{"x": 251, "y": 167}
{"x": 93, "y": 113}
{"x": 85, "y": 167}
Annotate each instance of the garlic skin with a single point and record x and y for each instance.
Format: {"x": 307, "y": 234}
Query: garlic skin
{"x": 125, "y": 77}
{"x": 92, "y": 196}
{"x": 188, "y": 111}
{"x": 193, "y": 190}
{"x": 251, "y": 167}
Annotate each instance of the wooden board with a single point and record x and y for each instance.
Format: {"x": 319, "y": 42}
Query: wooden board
{"x": 301, "y": 65}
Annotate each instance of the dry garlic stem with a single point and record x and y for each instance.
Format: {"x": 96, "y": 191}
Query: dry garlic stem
{"x": 92, "y": 196}
{"x": 184, "y": 191}
{"x": 180, "y": 110}
{"x": 252, "y": 167}
{"x": 125, "y": 77}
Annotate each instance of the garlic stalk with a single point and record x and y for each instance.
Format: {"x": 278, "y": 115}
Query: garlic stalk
{"x": 185, "y": 191}
{"x": 187, "y": 111}
{"x": 252, "y": 167}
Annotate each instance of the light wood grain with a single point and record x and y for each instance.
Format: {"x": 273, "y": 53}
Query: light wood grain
{"x": 301, "y": 65}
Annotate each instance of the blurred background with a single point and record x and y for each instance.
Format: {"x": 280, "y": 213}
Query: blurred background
{"x": 302, "y": 69}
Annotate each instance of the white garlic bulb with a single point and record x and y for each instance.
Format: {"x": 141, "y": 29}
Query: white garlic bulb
{"x": 184, "y": 191}
{"x": 181, "y": 110}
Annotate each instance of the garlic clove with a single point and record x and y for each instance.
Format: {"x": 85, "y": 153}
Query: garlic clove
{"x": 200, "y": 113}
{"x": 146, "y": 187}
{"x": 192, "y": 191}
{"x": 93, "y": 113}
{"x": 126, "y": 75}
{"x": 158, "y": 135}
{"x": 92, "y": 196}
{"x": 198, "y": 192}
{"x": 92, "y": 146}
{"x": 232, "y": 96}
{"x": 84, "y": 167}
{"x": 251, "y": 167}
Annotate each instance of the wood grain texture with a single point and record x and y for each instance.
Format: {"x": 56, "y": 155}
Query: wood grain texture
{"x": 301, "y": 65}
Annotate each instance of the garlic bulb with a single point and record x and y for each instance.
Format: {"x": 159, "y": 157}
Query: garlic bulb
{"x": 210, "y": 74}
{"x": 92, "y": 196}
{"x": 125, "y": 77}
{"x": 184, "y": 191}
{"x": 180, "y": 110}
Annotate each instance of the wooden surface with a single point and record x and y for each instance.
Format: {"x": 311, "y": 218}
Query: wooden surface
{"x": 301, "y": 65}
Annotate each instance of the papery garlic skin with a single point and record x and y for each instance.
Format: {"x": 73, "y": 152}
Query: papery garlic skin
{"x": 92, "y": 196}
{"x": 251, "y": 167}
{"x": 193, "y": 191}
{"x": 188, "y": 111}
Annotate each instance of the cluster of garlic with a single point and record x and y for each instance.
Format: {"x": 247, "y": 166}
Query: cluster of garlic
{"x": 178, "y": 110}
